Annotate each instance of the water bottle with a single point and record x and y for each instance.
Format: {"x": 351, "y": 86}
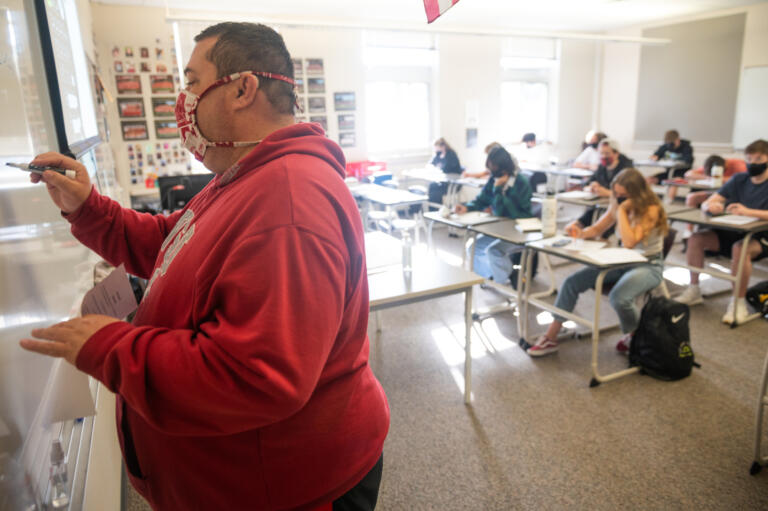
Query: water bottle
{"x": 407, "y": 253}
{"x": 549, "y": 216}
{"x": 717, "y": 175}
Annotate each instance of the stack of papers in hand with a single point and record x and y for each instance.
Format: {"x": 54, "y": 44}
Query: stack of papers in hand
{"x": 528, "y": 224}
{"x": 614, "y": 256}
{"x": 473, "y": 218}
{"x": 733, "y": 219}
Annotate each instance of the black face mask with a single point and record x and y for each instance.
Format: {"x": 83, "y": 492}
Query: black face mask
{"x": 593, "y": 146}
{"x": 497, "y": 173}
{"x": 755, "y": 169}
{"x": 619, "y": 200}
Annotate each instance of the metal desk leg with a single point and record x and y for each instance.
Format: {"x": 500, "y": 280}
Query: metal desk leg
{"x": 762, "y": 402}
{"x": 468, "y": 346}
{"x": 430, "y": 243}
{"x": 378, "y": 321}
{"x": 472, "y": 240}
{"x": 740, "y": 274}
{"x": 522, "y": 307}
{"x": 596, "y": 378}
{"x": 520, "y": 282}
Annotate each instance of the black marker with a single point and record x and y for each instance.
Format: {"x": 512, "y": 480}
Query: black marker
{"x": 39, "y": 170}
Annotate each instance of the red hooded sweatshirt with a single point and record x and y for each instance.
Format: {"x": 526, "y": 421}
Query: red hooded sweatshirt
{"x": 243, "y": 381}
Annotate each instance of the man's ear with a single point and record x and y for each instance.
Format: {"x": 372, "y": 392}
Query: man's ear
{"x": 246, "y": 91}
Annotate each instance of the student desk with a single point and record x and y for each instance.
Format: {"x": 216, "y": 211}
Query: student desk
{"x": 391, "y": 199}
{"x": 430, "y": 278}
{"x": 506, "y": 230}
{"x": 667, "y": 165}
{"x": 435, "y": 175}
{"x": 576, "y": 199}
{"x": 695, "y": 185}
{"x": 454, "y": 221}
{"x": 527, "y": 298}
{"x": 698, "y": 217}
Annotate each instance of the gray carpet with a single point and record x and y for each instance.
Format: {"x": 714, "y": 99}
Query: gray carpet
{"x": 537, "y": 437}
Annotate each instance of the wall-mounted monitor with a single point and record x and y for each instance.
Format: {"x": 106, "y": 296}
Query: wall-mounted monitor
{"x": 69, "y": 75}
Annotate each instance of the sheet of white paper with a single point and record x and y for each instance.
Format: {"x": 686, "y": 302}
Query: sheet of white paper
{"x": 70, "y": 395}
{"x": 575, "y": 244}
{"x": 112, "y": 296}
{"x": 473, "y": 218}
{"x": 578, "y": 194}
{"x": 733, "y": 219}
{"x": 528, "y": 224}
{"x": 381, "y": 251}
{"x": 614, "y": 256}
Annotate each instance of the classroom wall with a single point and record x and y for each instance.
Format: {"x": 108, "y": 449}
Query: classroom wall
{"x": 620, "y": 77}
{"x": 468, "y": 69}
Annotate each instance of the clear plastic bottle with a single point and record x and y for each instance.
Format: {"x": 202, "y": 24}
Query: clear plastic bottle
{"x": 549, "y": 216}
{"x": 407, "y": 252}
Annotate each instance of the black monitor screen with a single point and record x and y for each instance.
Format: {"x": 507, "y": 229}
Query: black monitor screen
{"x": 176, "y": 191}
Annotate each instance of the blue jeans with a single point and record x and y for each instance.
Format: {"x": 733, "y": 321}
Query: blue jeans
{"x": 629, "y": 284}
{"x": 492, "y": 258}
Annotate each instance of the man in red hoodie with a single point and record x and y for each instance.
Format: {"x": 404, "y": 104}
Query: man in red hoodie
{"x": 243, "y": 381}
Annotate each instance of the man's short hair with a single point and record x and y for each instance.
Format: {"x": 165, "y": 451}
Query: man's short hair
{"x": 253, "y": 47}
{"x": 758, "y": 146}
{"x": 610, "y": 142}
{"x": 670, "y": 136}
{"x": 529, "y": 137}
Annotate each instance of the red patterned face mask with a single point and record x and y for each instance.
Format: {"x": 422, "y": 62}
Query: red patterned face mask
{"x": 186, "y": 115}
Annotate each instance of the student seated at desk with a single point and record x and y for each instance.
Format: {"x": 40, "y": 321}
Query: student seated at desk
{"x": 506, "y": 194}
{"x": 612, "y": 162}
{"x": 673, "y": 149}
{"x": 730, "y": 167}
{"x": 589, "y": 158}
{"x": 744, "y": 194}
{"x": 446, "y": 160}
{"x": 479, "y": 174}
{"x": 642, "y": 224}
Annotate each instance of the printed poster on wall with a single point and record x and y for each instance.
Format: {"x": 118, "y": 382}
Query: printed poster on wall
{"x": 161, "y": 84}
{"x": 347, "y": 139}
{"x": 316, "y": 85}
{"x": 317, "y": 104}
{"x": 130, "y": 107}
{"x": 321, "y": 119}
{"x": 134, "y": 130}
{"x": 128, "y": 84}
{"x": 164, "y": 107}
{"x": 314, "y": 66}
{"x": 343, "y": 101}
{"x": 166, "y": 129}
{"x": 346, "y": 122}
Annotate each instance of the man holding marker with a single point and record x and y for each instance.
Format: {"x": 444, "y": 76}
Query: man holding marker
{"x": 243, "y": 381}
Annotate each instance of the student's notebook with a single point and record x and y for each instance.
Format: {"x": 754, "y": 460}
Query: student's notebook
{"x": 614, "y": 256}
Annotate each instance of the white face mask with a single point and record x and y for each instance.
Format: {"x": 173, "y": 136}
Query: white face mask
{"x": 186, "y": 115}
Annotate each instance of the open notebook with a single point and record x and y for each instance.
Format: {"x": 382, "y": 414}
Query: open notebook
{"x": 733, "y": 219}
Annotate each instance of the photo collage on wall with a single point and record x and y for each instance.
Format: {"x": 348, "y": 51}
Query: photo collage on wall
{"x": 147, "y": 80}
{"x": 344, "y": 104}
{"x": 310, "y": 91}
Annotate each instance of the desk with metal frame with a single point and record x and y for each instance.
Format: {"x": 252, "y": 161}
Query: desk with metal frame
{"x": 667, "y": 165}
{"x": 698, "y": 217}
{"x": 454, "y": 221}
{"x": 430, "y": 278}
{"x": 391, "y": 199}
{"x": 526, "y": 298}
{"x": 506, "y": 230}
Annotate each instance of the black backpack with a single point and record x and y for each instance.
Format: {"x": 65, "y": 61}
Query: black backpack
{"x": 661, "y": 344}
{"x": 757, "y": 297}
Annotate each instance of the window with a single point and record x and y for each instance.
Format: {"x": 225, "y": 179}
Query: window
{"x": 530, "y": 71}
{"x": 398, "y": 94}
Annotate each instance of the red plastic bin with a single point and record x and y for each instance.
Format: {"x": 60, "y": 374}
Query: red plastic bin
{"x": 361, "y": 169}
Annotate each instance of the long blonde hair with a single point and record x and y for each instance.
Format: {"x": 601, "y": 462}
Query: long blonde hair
{"x": 641, "y": 195}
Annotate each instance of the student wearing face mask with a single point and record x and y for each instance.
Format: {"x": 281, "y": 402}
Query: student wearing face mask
{"x": 506, "y": 194}
{"x": 641, "y": 225}
{"x": 612, "y": 162}
{"x": 744, "y": 194}
{"x": 589, "y": 158}
{"x": 243, "y": 380}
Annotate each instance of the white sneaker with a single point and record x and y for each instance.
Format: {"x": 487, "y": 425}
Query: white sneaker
{"x": 690, "y": 296}
{"x": 741, "y": 313}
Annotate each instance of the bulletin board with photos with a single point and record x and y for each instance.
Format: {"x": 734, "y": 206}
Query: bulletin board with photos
{"x": 147, "y": 80}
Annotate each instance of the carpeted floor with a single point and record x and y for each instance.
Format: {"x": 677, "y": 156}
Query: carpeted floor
{"x": 537, "y": 437}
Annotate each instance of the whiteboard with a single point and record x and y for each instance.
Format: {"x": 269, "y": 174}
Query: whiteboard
{"x": 752, "y": 109}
